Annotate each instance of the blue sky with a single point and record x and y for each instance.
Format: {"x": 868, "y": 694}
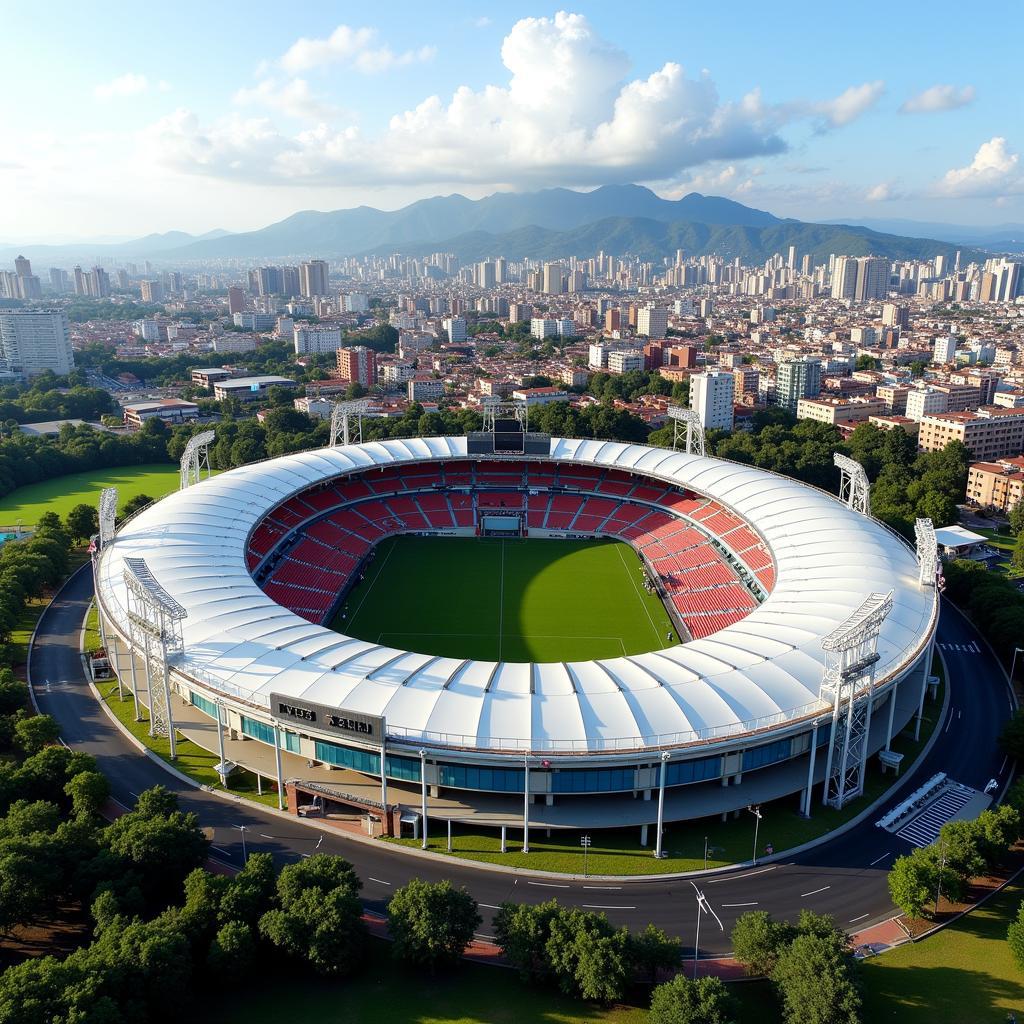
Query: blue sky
{"x": 235, "y": 115}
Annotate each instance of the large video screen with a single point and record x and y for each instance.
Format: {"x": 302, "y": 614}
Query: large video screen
{"x": 509, "y": 441}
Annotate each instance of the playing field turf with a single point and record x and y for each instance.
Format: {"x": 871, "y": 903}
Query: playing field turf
{"x": 507, "y": 600}
{"x": 62, "y": 493}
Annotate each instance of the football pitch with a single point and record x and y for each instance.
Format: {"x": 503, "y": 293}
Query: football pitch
{"x": 507, "y": 600}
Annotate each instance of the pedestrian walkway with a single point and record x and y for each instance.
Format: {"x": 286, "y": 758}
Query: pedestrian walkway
{"x": 923, "y": 829}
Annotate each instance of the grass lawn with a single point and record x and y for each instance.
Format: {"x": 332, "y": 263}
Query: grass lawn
{"x": 510, "y": 600}
{"x": 963, "y": 975}
{"x": 617, "y": 851}
{"x": 62, "y": 493}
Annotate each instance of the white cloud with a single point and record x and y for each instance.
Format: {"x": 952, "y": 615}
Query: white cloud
{"x": 128, "y": 84}
{"x": 567, "y": 115}
{"x": 357, "y": 47}
{"x": 730, "y": 180}
{"x": 881, "y": 193}
{"x": 937, "y": 98}
{"x": 482, "y": 22}
{"x": 293, "y": 98}
{"x": 849, "y": 104}
{"x": 993, "y": 173}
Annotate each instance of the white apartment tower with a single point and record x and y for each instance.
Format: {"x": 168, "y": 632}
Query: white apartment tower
{"x": 35, "y": 340}
{"x": 711, "y": 396}
{"x": 652, "y": 322}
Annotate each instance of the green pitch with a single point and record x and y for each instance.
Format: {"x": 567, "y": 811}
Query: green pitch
{"x": 507, "y": 600}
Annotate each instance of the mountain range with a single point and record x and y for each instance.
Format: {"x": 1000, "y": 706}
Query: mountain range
{"x": 548, "y": 224}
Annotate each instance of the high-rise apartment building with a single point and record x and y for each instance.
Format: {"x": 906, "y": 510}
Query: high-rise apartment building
{"x": 652, "y": 322}
{"x": 552, "y": 283}
{"x": 486, "y": 274}
{"x": 236, "y": 300}
{"x": 310, "y": 340}
{"x": 944, "y": 350}
{"x": 990, "y": 432}
{"x": 35, "y": 340}
{"x": 358, "y": 365}
{"x": 796, "y": 379}
{"x": 313, "y": 278}
{"x": 894, "y": 315}
{"x": 711, "y": 396}
{"x": 455, "y": 327}
{"x": 860, "y": 279}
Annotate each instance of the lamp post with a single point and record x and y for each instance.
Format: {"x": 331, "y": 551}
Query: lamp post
{"x": 658, "y": 851}
{"x": 703, "y": 907}
{"x": 1013, "y": 664}
{"x": 585, "y": 843}
{"x": 526, "y": 804}
{"x": 220, "y": 741}
{"x": 243, "y": 829}
{"x": 755, "y": 810}
{"x": 423, "y": 797}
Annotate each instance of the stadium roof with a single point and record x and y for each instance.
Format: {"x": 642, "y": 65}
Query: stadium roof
{"x": 759, "y": 673}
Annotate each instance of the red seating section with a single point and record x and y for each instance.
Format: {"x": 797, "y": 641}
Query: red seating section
{"x": 331, "y": 528}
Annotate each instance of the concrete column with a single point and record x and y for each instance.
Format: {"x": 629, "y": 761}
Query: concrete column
{"x": 423, "y": 797}
{"x": 277, "y": 761}
{"x": 526, "y": 806}
{"x": 135, "y": 685}
{"x": 929, "y": 660}
{"x": 892, "y": 711}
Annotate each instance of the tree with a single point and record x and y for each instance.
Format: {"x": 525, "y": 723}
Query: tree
{"x": 88, "y": 792}
{"x": 319, "y": 918}
{"x": 35, "y": 732}
{"x": 652, "y": 950}
{"x": 911, "y": 884}
{"x": 136, "y": 504}
{"x": 1015, "y": 937}
{"x": 233, "y": 950}
{"x": 758, "y": 941}
{"x": 682, "y": 1001}
{"x": 82, "y": 521}
{"x": 1017, "y": 557}
{"x": 816, "y": 983}
{"x": 1016, "y": 518}
{"x": 589, "y": 958}
{"x": 1011, "y": 739}
{"x": 431, "y": 923}
{"x": 522, "y": 931}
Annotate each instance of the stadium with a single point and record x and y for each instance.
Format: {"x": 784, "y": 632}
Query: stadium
{"x": 511, "y": 629}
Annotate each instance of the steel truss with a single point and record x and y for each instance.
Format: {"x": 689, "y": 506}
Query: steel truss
{"x": 854, "y": 489}
{"x": 927, "y": 552}
{"x": 687, "y": 422}
{"x": 195, "y": 458}
{"x": 107, "y": 515}
{"x": 154, "y": 619}
{"x": 504, "y": 409}
{"x": 851, "y": 653}
{"x": 347, "y": 421}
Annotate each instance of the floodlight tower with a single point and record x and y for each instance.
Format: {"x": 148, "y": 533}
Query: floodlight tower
{"x": 494, "y": 408}
{"x": 851, "y": 653}
{"x": 195, "y": 458}
{"x": 155, "y": 618}
{"x": 688, "y": 421}
{"x": 347, "y": 421}
{"x": 854, "y": 489}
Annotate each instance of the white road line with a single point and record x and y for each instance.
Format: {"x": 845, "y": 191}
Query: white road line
{"x": 489, "y": 906}
{"x": 950, "y": 722}
{"x": 602, "y": 887}
{"x": 1002, "y": 767}
{"x": 738, "y": 904}
{"x": 854, "y": 920}
{"x": 874, "y": 862}
{"x": 489, "y": 938}
{"x": 733, "y": 878}
{"x": 603, "y": 906}
{"x": 379, "y": 881}
{"x": 221, "y": 849}
{"x": 263, "y": 835}
{"x": 548, "y": 885}
{"x": 814, "y": 892}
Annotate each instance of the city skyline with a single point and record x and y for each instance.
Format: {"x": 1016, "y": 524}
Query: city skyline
{"x": 257, "y": 118}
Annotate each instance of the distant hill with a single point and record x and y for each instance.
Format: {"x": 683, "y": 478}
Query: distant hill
{"x": 1000, "y": 237}
{"x": 146, "y": 247}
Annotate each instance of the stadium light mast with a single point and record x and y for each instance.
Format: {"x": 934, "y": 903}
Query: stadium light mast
{"x": 494, "y": 408}
{"x": 929, "y": 575}
{"x": 687, "y": 422}
{"x": 347, "y": 422}
{"x": 851, "y": 654}
{"x": 156, "y": 617}
{"x": 854, "y": 489}
{"x": 196, "y": 458}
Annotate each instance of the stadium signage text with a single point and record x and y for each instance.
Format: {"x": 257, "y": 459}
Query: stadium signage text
{"x": 328, "y": 719}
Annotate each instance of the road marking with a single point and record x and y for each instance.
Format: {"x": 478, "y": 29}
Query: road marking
{"x": 220, "y": 849}
{"x": 489, "y": 906}
{"x": 884, "y": 855}
{"x": 548, "y": 885}
{"x": 263, "y": 835}
{"x": 603, "y": 906}
{"x": 379, "y": 881}
{"x": 749, "y": 874}
{"x": 950, "y": 722}
{"x": 739, "y": 904}
{"x": 854, "y": 920}
{"x": 602, "y": 887}
{"x": 814, "y": 892}
{"x": 488, "y": 938}
{"x": 1002, "y": 767}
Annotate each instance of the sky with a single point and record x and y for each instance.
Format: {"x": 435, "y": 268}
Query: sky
{"x": 233, "y": 116}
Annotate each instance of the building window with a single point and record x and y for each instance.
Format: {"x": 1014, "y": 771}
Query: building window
{"x": 258, "y": 730}
{"x": 348, "y": 757}
{"x": 767, "y": 753}
{"x": 291, "y": 742}
{"x": 204, "y": 704}
{"x": 682, "y": 773}
{"x": 494, "y": 780}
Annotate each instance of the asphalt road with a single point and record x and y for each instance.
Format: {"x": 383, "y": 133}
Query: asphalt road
{"x": 845, "y": 877}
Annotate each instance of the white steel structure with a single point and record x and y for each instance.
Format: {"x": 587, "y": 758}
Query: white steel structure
{"x": 342, "y": 417}
{"x": 927, "y": 552}
{"x": 505, "y": 408}
{"x": 687, "y": 422}
{"x": 854, "y": 488}
{"x": 107, "y": 514}
{"x": 196, "y": 458}
{"x": 822, "y": 647}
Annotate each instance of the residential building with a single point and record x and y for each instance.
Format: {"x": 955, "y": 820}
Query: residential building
{"x": 745, "y": 382}
{"x": 318, "y": 408}
{"x": 925, "y": 401}
{"x": 944, "y": 350}
{"x": 542, "y": 328}
{"x": 313, "y": 278}
{"x": 711, "y": 396}
{"x": 249, "y": 389}
{"x": 424, "y": 389}
{"x": 358, "y": 365}
{"x": 207, "y": 376}
{"x": 796, "y": 379}
{"x": 990, "y": 433}
{"x": 839, "y": 411}
{"x": 552, "y": 283}
{"x": 315, "y": 339}
{"x": 652, "y": 322}
{"x": 236, "y": 300}
{"x": 393, "y": 375}
{"x": 33, "y": 341}
{"x": 258, "y": 322}
{"x": 625, "y": 360}
{"x": 997, "y": 485}
{"x": 455, "y": 326}
{"x": 540, "y": 396}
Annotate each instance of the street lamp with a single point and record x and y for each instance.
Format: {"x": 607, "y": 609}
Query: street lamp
{"x": 1013, "y": 664}
{"x": 243, "y": 829}
{"x": 221, "y": 771}
{"x": 658, "y": 851}
{"x": 756, "y": 812}
{"x": 703, "y": 907}
{"x": 423, "y": 797}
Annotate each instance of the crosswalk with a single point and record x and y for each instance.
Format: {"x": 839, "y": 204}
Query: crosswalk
{"x": 924, "y": 829}
{"x": 971, "y": 648}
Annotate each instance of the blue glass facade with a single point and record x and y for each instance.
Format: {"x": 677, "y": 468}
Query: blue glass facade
{"x": 767, "y": 753}
{"x": 682, "y": 773}
{"x": 257, "y": 730}
{"x": 203, "y": 703}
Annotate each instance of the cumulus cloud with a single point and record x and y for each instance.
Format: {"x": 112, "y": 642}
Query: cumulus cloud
{"x": 849, "y": 104}
{"x": 128, "y": 84}
{"x": 881, "y": 193}
{"x": 567, "y": 113}
{"x": 357, "y": 47}
{"x": 293, "y": 98}
{"x": 938, "y": 98}
{"x": 993, "y": 173}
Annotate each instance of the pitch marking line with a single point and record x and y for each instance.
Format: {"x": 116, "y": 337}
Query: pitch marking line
{"x": 501, "y": 600}
{"x": 657, "y": 632}
{"x": 369, "y": 587}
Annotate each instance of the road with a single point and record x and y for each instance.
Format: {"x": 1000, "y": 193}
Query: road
{"x": 845, "y": 877}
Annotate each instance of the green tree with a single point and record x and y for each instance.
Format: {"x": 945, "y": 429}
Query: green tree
{"x": 1015, "y": 937}
{"x": 1011, "y": 739}
{"x": 1017, "y": 557}
{"x": 35, "y": 732}
{"x": 682, "y": 1001}
{"x": 653, "y": 950}
{"x": 912, "y": 884}
{"x": 133, "y": 505}
{"x": 816, "y": 983}
{"x": 88, "y": 791}
{"x": 1016, "y": 518}
{"x": 232, "y": 952}
{"x": 589, "y": 958}
{"x": 758, "y": 940}
{"x": 522, "y": 931}
{"x": 82, "y": 521}
{"x": 431, "y": 923}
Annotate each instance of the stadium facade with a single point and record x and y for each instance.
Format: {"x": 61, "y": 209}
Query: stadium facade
{"x": 808, "y": 633}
